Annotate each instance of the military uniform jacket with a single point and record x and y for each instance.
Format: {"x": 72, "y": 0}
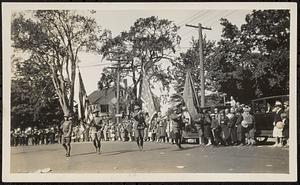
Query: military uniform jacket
{"x": 139, "y": 120}
{"x": 177, "y": 122}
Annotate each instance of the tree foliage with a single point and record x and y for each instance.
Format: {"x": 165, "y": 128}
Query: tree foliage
{"x": 253, "y": 61}
{"x": 147, "y": 42}
{"x": 53, "y": 38}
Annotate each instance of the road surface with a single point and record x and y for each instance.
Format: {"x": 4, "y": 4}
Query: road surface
{"x": 125, "y": 157}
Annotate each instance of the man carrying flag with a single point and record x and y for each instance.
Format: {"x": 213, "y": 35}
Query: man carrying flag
{"x": 192, "y": 104}
{"x": 147, "y": 98}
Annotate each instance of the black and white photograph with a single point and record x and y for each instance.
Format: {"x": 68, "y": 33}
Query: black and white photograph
{"x": 105, "y": 92}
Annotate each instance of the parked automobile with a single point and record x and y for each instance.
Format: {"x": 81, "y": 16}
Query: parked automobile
{"x": 263, "y": 114}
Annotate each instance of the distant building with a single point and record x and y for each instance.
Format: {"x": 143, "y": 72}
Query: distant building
{"x": 105, "y": 100}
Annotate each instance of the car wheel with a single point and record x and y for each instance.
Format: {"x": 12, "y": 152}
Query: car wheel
{"x": 261, "y": 139}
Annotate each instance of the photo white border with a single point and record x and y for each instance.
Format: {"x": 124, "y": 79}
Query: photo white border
{"x": 146, "y": 177}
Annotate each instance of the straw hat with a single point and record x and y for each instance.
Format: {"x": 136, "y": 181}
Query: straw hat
{"x": 278, "y": 103}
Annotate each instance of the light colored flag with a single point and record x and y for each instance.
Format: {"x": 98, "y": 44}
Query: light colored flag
{"x": 190, "y": 96}
{"x": 147, "y": 98}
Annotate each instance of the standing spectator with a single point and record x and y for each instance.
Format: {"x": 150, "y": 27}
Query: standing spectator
{"x": 52, "y": 135}
{"x": 47, "y": 135}
{"x": 199, "y": 122}
{"x": 277, "y": 130}
{"x": 207, "y": 128}
{"x": 112, "y": 133}
{"x": 285, "y": 131}
{"x": 23, "y": 137}
{"x": 249, "y": 124}
{"x": 169, "y": 131}
{"x": 232, "y": 126}
{"x": 216, "y": 130}
{"x": 105, "y": 129}
{"x": 162, "y": 130}
{"x": 130, "y": 129}
{"x": 28, "y": 133}
{"x": 239, "y": 128}
{"x": 36, "y": 136}
{"x": 232, "y": 102}
{"x": 41, "y": 136}
{"x": 225, "y": 129}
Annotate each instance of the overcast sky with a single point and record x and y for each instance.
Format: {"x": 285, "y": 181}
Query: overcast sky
{"x": 121, "y": 20}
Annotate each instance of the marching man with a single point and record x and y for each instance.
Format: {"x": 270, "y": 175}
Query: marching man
{"x": 177, "y": 123}
{"x": 67, "y": 131}
{"x": 139, "y": 120}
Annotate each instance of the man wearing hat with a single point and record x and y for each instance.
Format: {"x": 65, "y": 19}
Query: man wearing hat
{"x": 177, "y": 123}
{"x": 277, "y": 130}
{"x": 95, "y": 130}
{"x": 67, "y": 131}
{"x": 139, "y": 120}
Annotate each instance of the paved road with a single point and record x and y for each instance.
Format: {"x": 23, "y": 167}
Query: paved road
{"x": 124, "y": 157}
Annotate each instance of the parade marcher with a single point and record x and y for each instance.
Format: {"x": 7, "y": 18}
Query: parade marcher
{"x": 207, "y": 127}
{"x": 278, "y": 128}
{"x": 199, "y": 122}
{"x": 285, "y": 131}
{"x": 177, "y": 124}
{"x": 130, "y": 129}
{"x": 240, "y": 131}
{"x": 95, "y": 130}
{"x": 139, "y": 120}
{"x": 232, "y": 126}
{"x": 146, "y": 130}
{"x": 67, "y": 131}
{"x": 249, "y": 124}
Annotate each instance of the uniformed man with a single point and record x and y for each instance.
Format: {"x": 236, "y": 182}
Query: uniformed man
{"x": 139, "y": 120}
{"x": 95, "y": 130}
{"x": 177, "y": 123}
{"x": 67, "y": 131}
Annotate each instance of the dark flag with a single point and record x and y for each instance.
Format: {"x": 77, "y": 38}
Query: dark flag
{"x": 189, "y": 96}
{"x": 84, "y": 112}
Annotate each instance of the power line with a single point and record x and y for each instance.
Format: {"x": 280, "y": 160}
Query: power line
{"x": 95, "y": 65}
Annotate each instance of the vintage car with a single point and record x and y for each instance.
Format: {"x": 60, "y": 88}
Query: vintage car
{"x": 190, "y": 134}
{"x": 263, "y": 114}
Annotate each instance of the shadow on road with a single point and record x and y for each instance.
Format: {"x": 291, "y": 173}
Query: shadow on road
{"x": 186, "y": 148}
{"x": 128, "y": 151}
{"x": 83, "y": 154}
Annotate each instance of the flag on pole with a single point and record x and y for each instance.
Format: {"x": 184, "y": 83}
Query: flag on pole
{"x": 190, "y": 96}
{"x": 147, "y": 98}
{"x": 84, "y": 112}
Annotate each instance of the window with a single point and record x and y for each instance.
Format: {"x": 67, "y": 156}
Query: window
{"x": 104, "y": 108}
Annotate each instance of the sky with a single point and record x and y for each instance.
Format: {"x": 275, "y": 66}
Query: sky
{"x": 91, "y": 65}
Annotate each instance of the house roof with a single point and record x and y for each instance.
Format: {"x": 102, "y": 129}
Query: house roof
{"x": 102, "y": 96}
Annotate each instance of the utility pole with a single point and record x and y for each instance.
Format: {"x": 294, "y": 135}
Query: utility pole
{"x": 201, "y": 61}
{"x": 118, "y": 70}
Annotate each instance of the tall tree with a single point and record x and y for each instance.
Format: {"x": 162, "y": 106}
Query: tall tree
{"x": 54, "y": 38}
{"x": 253, "y": 61}
{"x": 33, "y": 98}
{"x": 148, "y": 41}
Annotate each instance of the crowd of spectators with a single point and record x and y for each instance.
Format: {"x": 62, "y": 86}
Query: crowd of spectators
{"x": 234, "y": 125}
